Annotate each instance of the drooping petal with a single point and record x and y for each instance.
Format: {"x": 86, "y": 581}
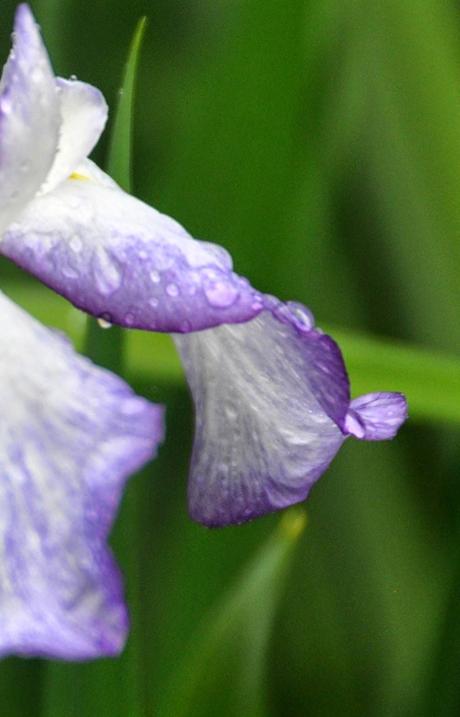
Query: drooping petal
{"x": 269, "y": 396}
{"x": 376, "y": 416}
{"x": 70, "y": 434}
{"x": 117, "y": 258}
{"x": 29, "y": 118}
{"x": 83, "y": 116}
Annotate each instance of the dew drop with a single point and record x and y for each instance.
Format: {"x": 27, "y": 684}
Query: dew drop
{"x": 104, "y": 321}
{"x": 154, "y": 276}
{"x": 302, "y": 315}
{"x": 172, "y": 290}
{"x": 153, "y": 302}
{"x": 106, "y": 274}
{"x": 220, "y": 294}
{"x": 73, "y": 78}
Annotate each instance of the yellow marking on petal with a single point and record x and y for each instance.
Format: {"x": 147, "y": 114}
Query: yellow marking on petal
{"x": 81, "y": 177}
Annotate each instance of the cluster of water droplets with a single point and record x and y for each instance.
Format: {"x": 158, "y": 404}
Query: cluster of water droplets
{"x": 293, "y": 313}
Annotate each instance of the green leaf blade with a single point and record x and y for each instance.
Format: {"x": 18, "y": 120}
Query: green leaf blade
{"x": 231, "y": 647}
{"x": 119, "y": 160}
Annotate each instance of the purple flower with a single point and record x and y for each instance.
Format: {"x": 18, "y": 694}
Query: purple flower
{"x": 71, "y": 433}
{"x": 271, "y": 391}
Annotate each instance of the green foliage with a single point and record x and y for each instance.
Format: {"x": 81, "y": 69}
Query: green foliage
{"x": 222, "y": 668}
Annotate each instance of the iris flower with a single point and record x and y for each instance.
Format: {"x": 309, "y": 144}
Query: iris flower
{"x": 271, "y": 392}
{"x": 70, "y": 432}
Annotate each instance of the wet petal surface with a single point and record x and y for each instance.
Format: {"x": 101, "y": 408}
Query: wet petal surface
{"x": 29, "y": 118}
{"x": 121, "y": 260}
{"x": 268, "y": 395}
{"x": 376, "y": 416}
{"x": 70, "y": 435}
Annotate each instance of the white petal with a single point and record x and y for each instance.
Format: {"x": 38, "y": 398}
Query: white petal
{"x": 29, "y": 118}
{"x": 83, "y": 117}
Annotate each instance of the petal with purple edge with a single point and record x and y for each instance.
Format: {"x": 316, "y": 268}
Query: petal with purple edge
{"x": 29, "y": 111}
{"x": 83, "y": 111}
{"x": 376, "y": 416}
{"x": 70, "y": 435}
{"x": 264, "y": 393}
{"x": 113, "y": 256}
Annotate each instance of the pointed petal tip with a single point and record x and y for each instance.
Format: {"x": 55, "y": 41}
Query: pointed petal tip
{"x": 23, "y": 15}
{"x": 376, "y": 416}
{"x": 26, "y": 29}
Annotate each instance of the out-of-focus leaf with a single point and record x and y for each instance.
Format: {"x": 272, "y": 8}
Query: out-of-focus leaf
{"x": 413, "y": 139}
{"x": 119, "y": 160}
{"x": 110, "y": 686}
{"x": 430, "y": 380}
{"x": 222, "y": 670}
{"x": 21, "y": 687}
{"x": 441, "y": 696}
{"x": 108, "y": 349}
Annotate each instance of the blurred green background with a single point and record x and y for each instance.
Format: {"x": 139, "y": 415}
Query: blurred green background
{"x": 319, "y": 141}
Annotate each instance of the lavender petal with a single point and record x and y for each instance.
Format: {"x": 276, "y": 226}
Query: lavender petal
{"x": 70, "y": 435}
{"x": 117, "y": 258}
{"x": 270, "y": 398}
{"x": 376, "y": 416}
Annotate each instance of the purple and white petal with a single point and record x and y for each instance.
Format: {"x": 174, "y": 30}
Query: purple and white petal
{"x": 83, "y": 111}
{"x": 269, "y": 396}
{"x": 117, "y": 258}
{"x": 70, "y": 435}
{"x": 376, "y": 416}
{"x": 29, "y": 118}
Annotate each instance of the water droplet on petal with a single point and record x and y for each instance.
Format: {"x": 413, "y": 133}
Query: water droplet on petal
{"x": 106, "y": 274}
{"x": 220, "y": 294}
{"x": 153, "y": 302}
{"x": 105, "y": 321}
{"x": 155, "y": 276}
{"x": 302, "y": 315}
{"x": 172, "y": 290}
{"x": 73, "y": 78}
